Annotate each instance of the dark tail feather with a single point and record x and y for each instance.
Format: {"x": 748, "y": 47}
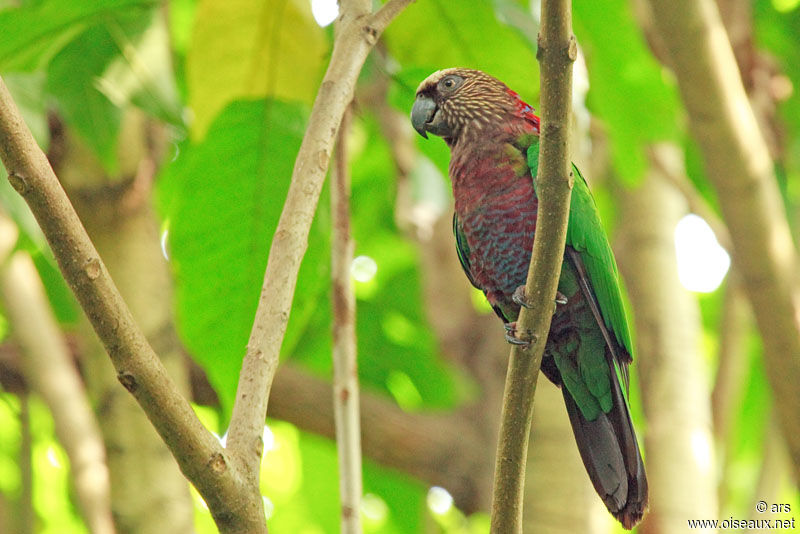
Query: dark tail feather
{"x": 611, "y": 455}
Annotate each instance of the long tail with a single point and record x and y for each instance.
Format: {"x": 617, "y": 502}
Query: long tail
{"x": 611, "y": 456}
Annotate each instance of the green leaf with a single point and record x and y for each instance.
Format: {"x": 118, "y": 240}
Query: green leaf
{"x": 628, "y": 90}
{"x": 73, "y": 78}
{"x": 245, "y": 49}
{"x": 27, "y": 89}
{"x": 437, "y": 34}
{"x": 142, "y": 74}
{"x": 35, "y": 33}
{"x": 221, "y": 199}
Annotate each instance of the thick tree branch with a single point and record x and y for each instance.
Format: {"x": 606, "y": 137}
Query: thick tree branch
{"x": 668, "y": 332}
{"x": 438, "y": 448}
{"x": 236, "y": 508}
{"x": 345, "y": 368}
{"x": 732, "y": 360}
{"x": 53, "y": 375}
{"x": 358, "y": 33}
{"x": 738, "y": 163}
{"x": 557, "y": 52}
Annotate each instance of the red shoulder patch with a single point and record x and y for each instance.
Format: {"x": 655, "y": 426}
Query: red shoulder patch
{"x": 525, "y": 111}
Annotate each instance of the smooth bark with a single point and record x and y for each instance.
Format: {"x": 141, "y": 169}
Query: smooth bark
{"x": 345, "y": 367}
{"x": 738, "y": 164}
{"x": 557, "y": 52}
{"x": 675, "y": 396}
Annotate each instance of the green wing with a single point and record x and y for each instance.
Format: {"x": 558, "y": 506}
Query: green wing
{"x": 462, "y": 249}
{"x": 586, "y": 235}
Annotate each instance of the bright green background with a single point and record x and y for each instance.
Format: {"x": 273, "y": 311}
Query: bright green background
{"x": 236, "y": 89}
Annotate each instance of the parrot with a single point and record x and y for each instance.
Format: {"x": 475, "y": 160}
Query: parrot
{"x": 494, "y": 152}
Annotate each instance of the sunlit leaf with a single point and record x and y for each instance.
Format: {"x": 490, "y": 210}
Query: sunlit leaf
{"x": 32, "y": 34}
{"x": 221, "y": 199}
{"x": 628, "y": 89}
{"x": 245, "y": 49}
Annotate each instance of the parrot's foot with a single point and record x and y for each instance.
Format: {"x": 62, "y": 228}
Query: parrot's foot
{"x": 520, "y": 299}
{"x": 511, "y": 337}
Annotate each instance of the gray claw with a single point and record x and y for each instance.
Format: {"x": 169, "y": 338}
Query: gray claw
{"x": 560, "y": 298}
{"x": 511, "y": 329}
{"x": 518, "y": 297}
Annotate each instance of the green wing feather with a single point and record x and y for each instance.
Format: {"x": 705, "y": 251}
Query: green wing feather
{"x": 585, "y": 234}
{"x": 462, "y": 249}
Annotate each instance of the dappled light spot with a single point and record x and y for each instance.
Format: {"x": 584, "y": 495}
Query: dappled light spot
{"x": 702, "y": 262}
{"x": 785, "y": 6}
{"x": 198, "y": 500}
{"x": 403, "y": 390}
{"x": 374, "y": 509}
{"x": 363, "y": 269}
{"x": 269, "y": 439}
{"x": 282, "y": 463}
{"x": 701, "y": 449}
{"x": 399, "y": 329}
{"x": 269, "y": 508}
{"x": 164, "y": 242}
{"x": 54, "y": 457}
{"x": 439, "y": 500}
{"x": 324, "y": 11}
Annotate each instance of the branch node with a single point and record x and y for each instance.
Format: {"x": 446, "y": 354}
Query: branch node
{"x": 371, "y": 35}
{"x": 322, "y": 159}
{"x": 529, "y": 338}
{"x": 259, "y": 446}
{"x": 93, "y": 268}
{"x": 217, "y": 463}
{"x": 572, "y": 50}
{"x": 128, "y": 381}
{"x": 18, "y": 182}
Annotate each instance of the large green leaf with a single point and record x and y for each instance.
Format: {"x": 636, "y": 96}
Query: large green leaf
{"x": 221, "y": 199}
{"x": 32, "y": 34}
{"x": 246, "y": 49}
{"x": 628, "y": 89}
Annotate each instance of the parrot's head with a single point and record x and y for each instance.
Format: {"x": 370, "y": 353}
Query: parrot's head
{"x": 458, "y": 103}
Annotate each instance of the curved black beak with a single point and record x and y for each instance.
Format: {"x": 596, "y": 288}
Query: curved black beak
{"x": 422, "y": 114}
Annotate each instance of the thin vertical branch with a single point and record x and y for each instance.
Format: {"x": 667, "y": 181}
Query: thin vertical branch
{"x": 359, "y": 31}
{"x": 557, "y": 52}
{"x": 732, "y": 363}
{"x": 26, "y": 517}
{"x": 53, "y": 375}
{"x": 345, "y": 367}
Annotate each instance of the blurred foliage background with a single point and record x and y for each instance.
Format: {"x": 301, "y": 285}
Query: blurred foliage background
{"x": 197, "y": 108}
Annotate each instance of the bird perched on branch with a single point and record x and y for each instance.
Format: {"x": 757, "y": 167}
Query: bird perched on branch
{"x": 494, "y": 152}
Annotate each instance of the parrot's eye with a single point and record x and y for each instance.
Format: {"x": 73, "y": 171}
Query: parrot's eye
{"x": 450, "y": 83}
